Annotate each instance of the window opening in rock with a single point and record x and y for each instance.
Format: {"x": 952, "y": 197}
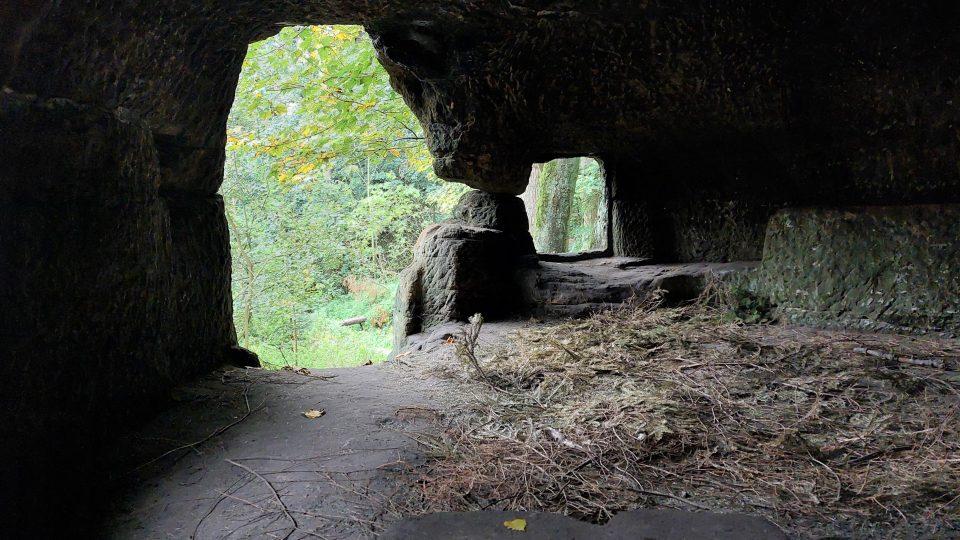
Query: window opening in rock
{"x": 327, "y": 185}
{"x": 567, "y": 206}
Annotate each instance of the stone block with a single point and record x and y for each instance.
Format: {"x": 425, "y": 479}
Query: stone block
{"x": 874, "y": 268}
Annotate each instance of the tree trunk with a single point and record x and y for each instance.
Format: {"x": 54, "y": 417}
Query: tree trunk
{"x": 248, "y": 304}
{"x": 531, "y": 195}
{"x": 558, "y": 182}
{"x": 295, "y": 334}
{"x": 599, "y": 240}
{"x": 588, "y": 220}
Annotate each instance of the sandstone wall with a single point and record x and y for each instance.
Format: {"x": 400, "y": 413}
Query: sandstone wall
{"x": 875, "y": 268}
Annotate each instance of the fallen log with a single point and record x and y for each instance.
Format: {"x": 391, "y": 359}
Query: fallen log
{"x": 353, "y": 321}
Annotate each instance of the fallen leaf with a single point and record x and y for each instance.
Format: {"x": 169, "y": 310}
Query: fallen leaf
{"x": 518, "y": 524}
{"x": 314, "y": 413}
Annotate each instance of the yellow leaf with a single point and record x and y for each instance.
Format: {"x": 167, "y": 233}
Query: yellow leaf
{"x": 518, "y": 524}
{"x": 395, "y": 152}
{"x": 314, "y": 413}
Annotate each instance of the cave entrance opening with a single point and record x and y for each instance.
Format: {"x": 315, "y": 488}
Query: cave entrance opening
{"x": 327, "y": 185}
{"x": 567, "y": 204}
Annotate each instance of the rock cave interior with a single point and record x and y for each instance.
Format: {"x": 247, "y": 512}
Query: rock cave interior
{"x": 747, "y": 326}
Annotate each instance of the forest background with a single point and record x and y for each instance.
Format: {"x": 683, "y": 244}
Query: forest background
{"x": 327, "y": 185}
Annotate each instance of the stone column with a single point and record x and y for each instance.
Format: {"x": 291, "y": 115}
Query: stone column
{"x": 466, "y": 265}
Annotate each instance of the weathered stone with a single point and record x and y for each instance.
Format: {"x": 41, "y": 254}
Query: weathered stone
{"x": 86, "y": 239}
{"x": 492, "y": 211}
{"x": 240, "y": 357}
{"x": 112, "y": 249}
{"x": 630, "y": 229}
{"x": 890, "y": 268}
{"x": 110, "y": 292}
{"x": 688, "y": 99}
{"x": 461, "y": 267}
{"x": 499, "y": 212}
{"x": 200, "y": 322}
{"x": 576, "y": 289}
{"x": 407, "y": 306}
{"x": 84, "y": 243}
{"x": 18, "y": 18}
{"x": 710, "y": 230}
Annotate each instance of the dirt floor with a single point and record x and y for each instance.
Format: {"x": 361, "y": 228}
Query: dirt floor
{"x": 237, "y": 457}
{"x": 238, "y": 441}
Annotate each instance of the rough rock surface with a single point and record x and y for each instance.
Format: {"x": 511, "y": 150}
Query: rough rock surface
{"x": 575, "y": 289}
{"x": 111, "y": 290}
{"x": 878, "y": 268}
{"x": 469, "y": 264}
{"x": 636, "y": 524}
{"x": 776, "y": 104}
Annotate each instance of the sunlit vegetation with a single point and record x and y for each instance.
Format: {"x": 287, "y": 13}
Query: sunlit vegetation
{"x": 327, "y": 185}
{"x": 566, "y": 201}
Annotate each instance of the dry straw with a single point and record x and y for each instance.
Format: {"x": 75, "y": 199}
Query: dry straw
{"x": 685, "y": 407}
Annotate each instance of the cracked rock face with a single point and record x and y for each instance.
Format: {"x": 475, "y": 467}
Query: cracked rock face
{"x": 708, "y": 117}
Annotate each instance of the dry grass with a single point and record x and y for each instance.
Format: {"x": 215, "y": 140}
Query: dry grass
{"x": 654, "y": 406}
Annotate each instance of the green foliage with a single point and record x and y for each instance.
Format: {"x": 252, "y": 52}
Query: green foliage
{"x": 558, "y": 183}
{"x": 312, "y": 94}
{"x": 331, "y": 345}
{"x": 749, "y": 307}
{"x": 591, "y": 185}
{"x": 327, "y": 184}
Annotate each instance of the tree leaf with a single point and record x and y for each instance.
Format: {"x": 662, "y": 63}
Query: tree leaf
{"x": 314, "y": 413}
{"x": 518, "y": 524}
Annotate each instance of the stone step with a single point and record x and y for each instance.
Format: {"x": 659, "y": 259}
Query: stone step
{"x": 564, "y": 289}
{"x": 647, "y": 524}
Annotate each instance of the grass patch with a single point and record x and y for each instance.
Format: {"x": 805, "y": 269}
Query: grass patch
{"x": 329, "y": 345}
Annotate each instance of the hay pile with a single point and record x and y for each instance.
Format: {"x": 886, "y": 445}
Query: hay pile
{"x": 823, "y": 432}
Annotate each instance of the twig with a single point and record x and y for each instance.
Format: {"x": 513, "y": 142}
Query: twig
{"x": 467, "y": 344}
{"x": 276, "y": 495}
{"x": 930, "y": 362}
{"x": 223, "y": 496}
{"x": 557, "y": 436}
{"x": 219, "y": 431}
